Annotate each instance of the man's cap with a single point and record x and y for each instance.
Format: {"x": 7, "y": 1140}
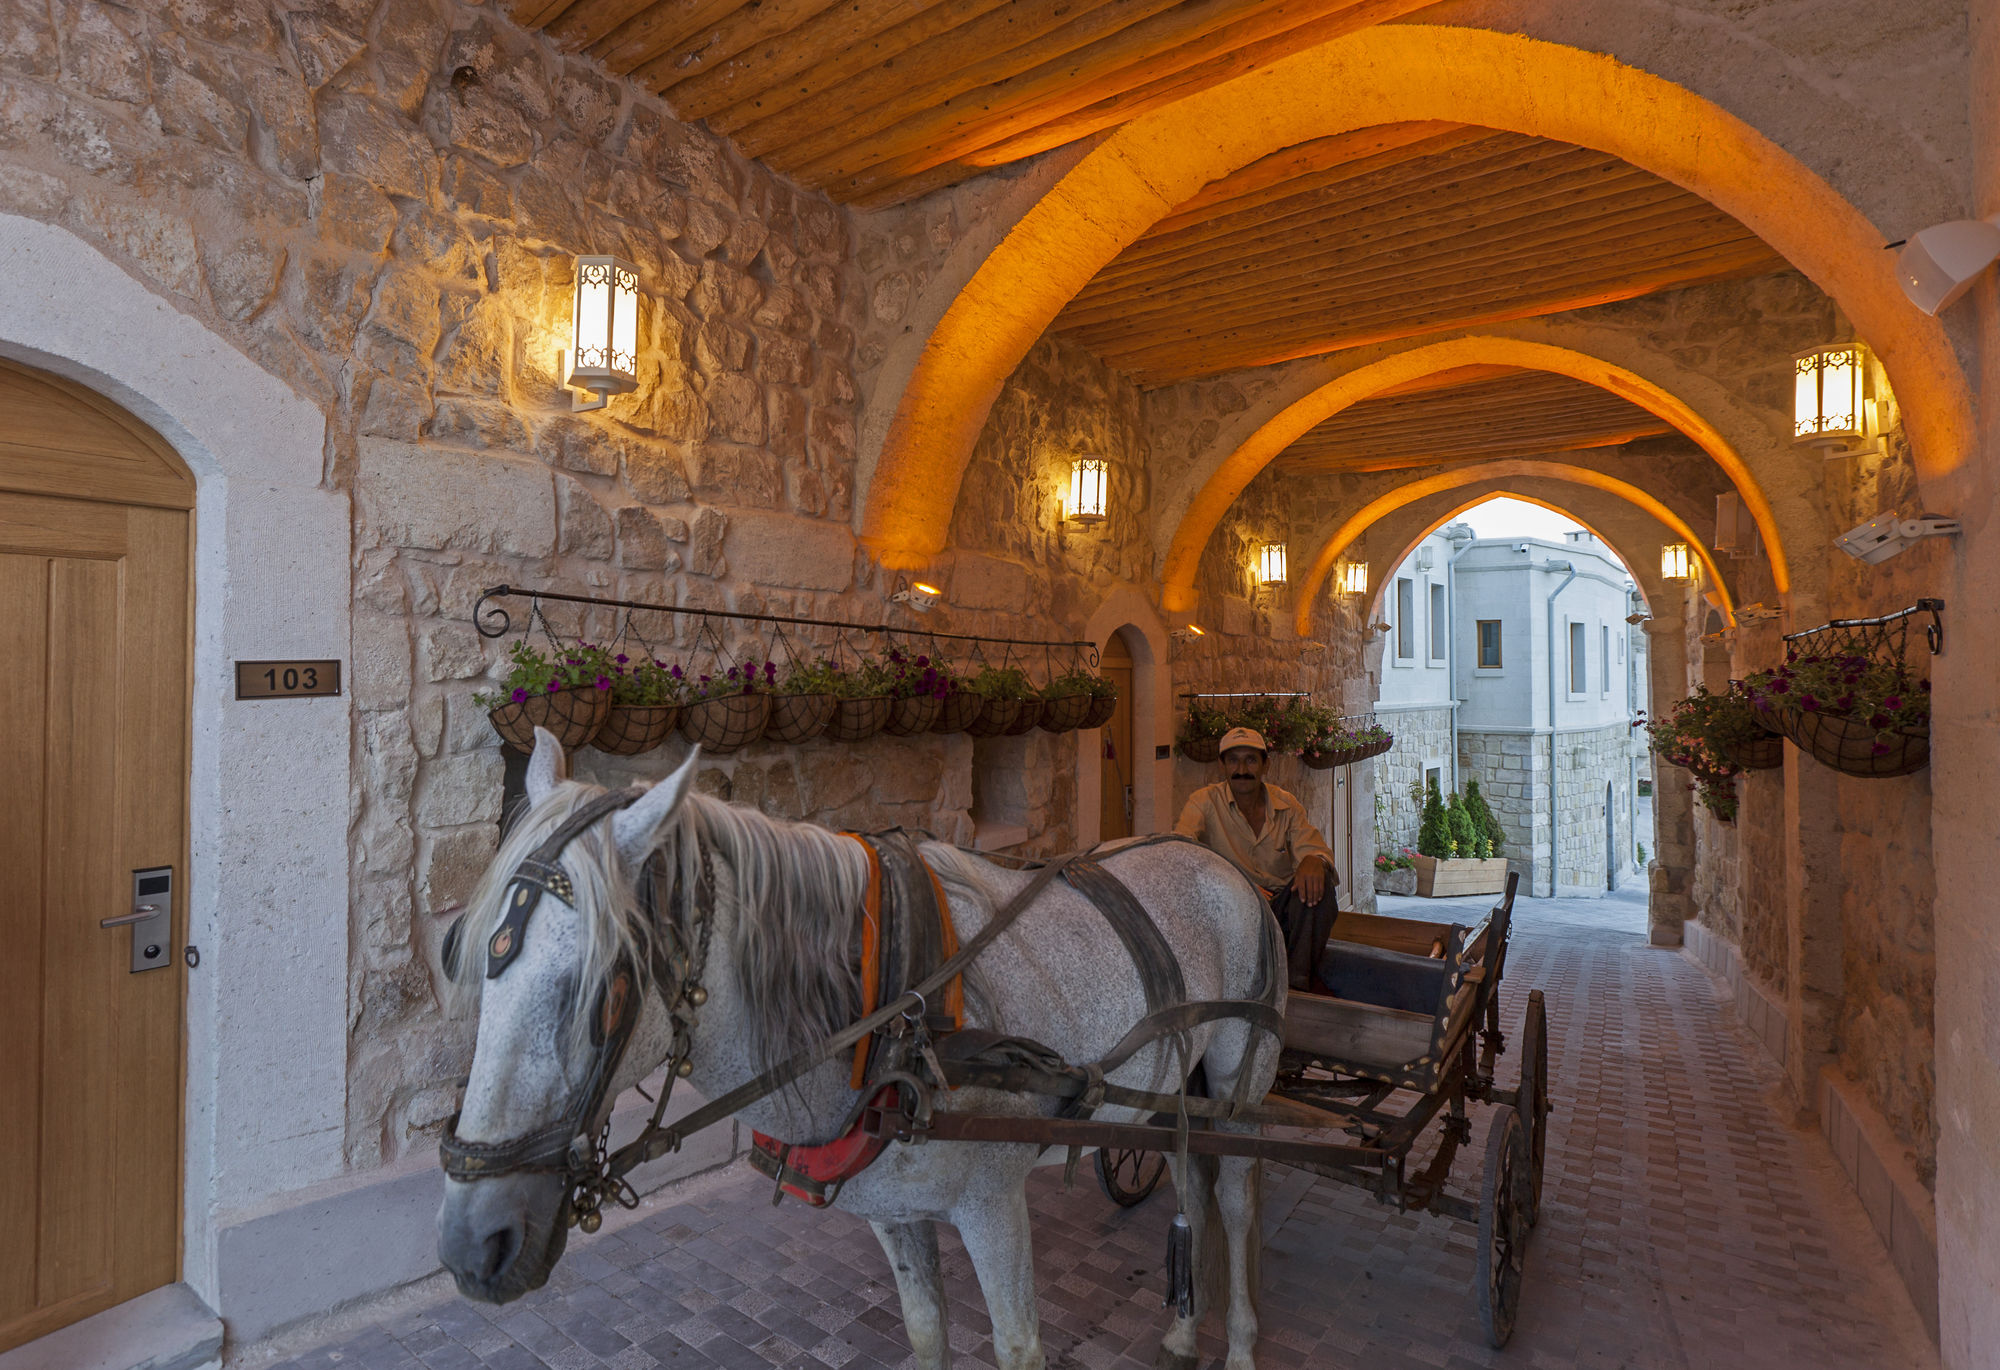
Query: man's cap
{"x": 1243, "y": 737}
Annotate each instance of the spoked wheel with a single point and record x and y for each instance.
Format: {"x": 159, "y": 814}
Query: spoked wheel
{"x": 1129, "y": 1176}
{"x": 1503, "y": 1225}
{"x": 1534, "y": 1096}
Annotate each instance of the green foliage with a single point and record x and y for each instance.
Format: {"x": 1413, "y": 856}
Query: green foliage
{"x": 1079, "y": 682}
{"x": 1203, "y": 721}
{"x": 1398, "y": 860}
{"x": 1284, "y": 725}
{"x": 1001, "y": 682}
{"x": 1882, "y": 694}
{"x": 747, "y": 678}
{"x": 1699, "y": 734}
{"x": 582, "y": 667}
{"x": 902, "y": 676}
{"x": 1464, "y": 834}
{"x": 1642, "y": 856}
{"x": 821, "y": 676}
{"x": 1433, "y": 831}
{"x": 645, "y": 681}
{"x": 1483, "y": 821}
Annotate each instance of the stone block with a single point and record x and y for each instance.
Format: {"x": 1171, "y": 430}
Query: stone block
{"x": 583, "y": 528}
{"x": 983, "y": 582}
{"x": 456, "y": 790}
{"x": 796, "y": 553}
{"x": 642, "y": 542}
{"x": 366, "y": 141}
{"x": 655, "y": 473}
{"x": 452, "y": 864}
{"x": 437, "y": 498}
{"x": 382, "y": 675}
{"x": 453, "y": 651}
{"x": 735, "y": 408}
{"x": 743, "y": 476}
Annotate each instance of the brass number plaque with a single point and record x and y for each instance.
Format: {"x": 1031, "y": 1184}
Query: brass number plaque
{"x": 287, "y": 679}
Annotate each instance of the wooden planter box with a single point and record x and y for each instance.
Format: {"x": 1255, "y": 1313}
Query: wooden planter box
{"x": 1444, "y": 879}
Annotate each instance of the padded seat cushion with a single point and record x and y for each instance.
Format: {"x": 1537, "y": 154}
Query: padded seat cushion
{"x": 1387, "y": 979}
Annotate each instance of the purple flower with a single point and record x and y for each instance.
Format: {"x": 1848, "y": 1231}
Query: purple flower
{"x": 770, "y": 670}
{"x": 604, "y": 682}
{"x": 923, "y": 661}
{"x": 519, "y": 694}
{"x": 1924, "y": 685}
{"x": 1878, "y": 720}
{"x": 1808, "y": 702}
{"x": 1844, "y": 703}
{"x": 554, "y": 686}
{"x": 1781, "y": 687}
{"x": 1879, "y": 749}
{"x": 621, "y": 659}
{"x": 1893, "y": 702}
{"x": 674, "y": 671}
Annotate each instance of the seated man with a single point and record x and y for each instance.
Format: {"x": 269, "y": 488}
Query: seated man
{"x": 1266, "y": 832}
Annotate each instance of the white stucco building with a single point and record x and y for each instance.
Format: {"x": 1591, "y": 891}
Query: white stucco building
{"x": 1511, "y": 661}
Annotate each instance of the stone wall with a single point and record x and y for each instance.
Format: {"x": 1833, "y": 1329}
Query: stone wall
{"x": 1513, "y": 772}
{"x": 1423, "y": 737}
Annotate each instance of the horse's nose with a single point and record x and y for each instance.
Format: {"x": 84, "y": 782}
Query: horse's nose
{"x": 497, "y": 1253}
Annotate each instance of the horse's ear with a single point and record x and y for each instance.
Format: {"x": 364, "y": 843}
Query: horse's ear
{"x": 546, "y": 766}
{"x": 636, "y": 827}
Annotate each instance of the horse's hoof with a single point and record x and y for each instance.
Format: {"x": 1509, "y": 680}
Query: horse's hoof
{"x": 1174, "y": 1360}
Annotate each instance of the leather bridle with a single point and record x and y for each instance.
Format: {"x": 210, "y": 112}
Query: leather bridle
{"x": 677, "y": 951}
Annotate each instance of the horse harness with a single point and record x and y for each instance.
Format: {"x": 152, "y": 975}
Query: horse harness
{"x": 915, "y": 957}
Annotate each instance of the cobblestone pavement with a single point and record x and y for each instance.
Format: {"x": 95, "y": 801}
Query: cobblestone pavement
{"x": 1686, "y": 1222}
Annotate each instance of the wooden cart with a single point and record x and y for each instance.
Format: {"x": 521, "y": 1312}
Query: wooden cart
{"x": 1407, "y": 1036}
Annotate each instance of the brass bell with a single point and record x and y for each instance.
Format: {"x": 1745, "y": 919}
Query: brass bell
{"x": 697, "y": 995}
{"x": 685, "y": 1068}
{"x": 591, "y": 1221}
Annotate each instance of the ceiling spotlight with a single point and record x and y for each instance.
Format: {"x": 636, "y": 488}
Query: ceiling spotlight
{"x": 1939, "y": 264}
{"x": 1881, "y": 538}
{"x": 919, "y": 596}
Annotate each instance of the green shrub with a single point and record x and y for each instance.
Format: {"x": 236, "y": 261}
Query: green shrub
{"x": 1483, "y": 821}
{"x": 1001, "y": 682}
{"x": 1433, "y": 834}
{"x": 1464, "y": 835}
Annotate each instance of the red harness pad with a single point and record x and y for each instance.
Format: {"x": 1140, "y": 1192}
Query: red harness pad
{"x": 815, "y": 1173}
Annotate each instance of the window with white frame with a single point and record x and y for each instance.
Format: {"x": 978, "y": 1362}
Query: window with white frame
{"x": 1579, "y": 666}
{"x": 1439, "y": 624}
{"x": 1604, "y": 658}
{"x": 1489, "y": 644}
{"x": 1406, "y": 619}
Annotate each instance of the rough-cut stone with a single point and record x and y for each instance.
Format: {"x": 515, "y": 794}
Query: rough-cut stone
{"x": 982, "y": 582}
{"x": 584, "y": 529}
{"x": 642, "y": 542}
{"x": 777, "y": 549}
{"x": 437, "y": 498}
{"x": 743, "y": 476}
{"x": 655, "y": 473}
{"x": 453, "y": 651}
{"x": 452, "y": 864}
{"x": 382, "y": 674}
{"x": 460, "y": 789}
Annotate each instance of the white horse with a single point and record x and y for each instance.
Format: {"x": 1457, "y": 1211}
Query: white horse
{"x": 781, "y": 975}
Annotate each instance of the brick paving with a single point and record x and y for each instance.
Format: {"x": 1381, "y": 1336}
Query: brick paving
{"x": 1686, "y": 1222}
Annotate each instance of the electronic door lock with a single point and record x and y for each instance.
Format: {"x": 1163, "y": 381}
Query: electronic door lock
{"x": 151, "y": 918}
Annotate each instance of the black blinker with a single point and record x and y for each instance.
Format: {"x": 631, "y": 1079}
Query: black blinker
{"x": 453, "y": 935}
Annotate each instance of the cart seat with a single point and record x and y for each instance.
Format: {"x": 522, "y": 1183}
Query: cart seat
{"x": 1384, "y": 978}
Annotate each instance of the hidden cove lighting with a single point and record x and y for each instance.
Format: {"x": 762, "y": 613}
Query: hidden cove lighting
{"x": 1676, "y": 562}
{"x": 604, "y": 351}
{"x": 1271, "y": 564}
{"x": 1089, "y": 482}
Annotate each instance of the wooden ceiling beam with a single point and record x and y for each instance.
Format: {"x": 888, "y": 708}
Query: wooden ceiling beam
{"x": 1341, "y": 156}
{"x": 1187, "y": 37}
{"x": 660, "y": 68}
{"x": 534, "y": 14}
{"x": 1473, "y": 433}
{"x": 583, "y": 22}
{"x": 656, "y": 29}
{"x": 1286, "y": 465}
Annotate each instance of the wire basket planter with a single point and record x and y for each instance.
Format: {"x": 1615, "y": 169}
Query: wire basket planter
{"x": 1065, "y": 713}
{"x": 1827, "y": 728}
{"x": 630, "y": 729}
{"x": 1347, "y": 756}
{"x": 1102, "y": 707}
{"x": 1025, "y": 721}
{"x": 573, "y": 716}
{"x": 1765, "y": 754}
{"x": 799, "y": 718}
{"x": 958, "y": 711}
{"x": 1852, "y": 747}
{"x": 857, "y": 720}
{"x": 913, "y": 714}
{"x": 724, "y": 723}
{"x": 996, "y": 717}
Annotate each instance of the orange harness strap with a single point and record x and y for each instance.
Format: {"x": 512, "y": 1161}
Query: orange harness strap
{"x": 871, "y": 954}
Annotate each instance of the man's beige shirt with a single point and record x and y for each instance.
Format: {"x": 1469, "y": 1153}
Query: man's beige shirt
{"x": 1271, "y": 856}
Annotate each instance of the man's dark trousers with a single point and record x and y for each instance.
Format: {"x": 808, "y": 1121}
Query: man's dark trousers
{"x": 1306, "y": 928}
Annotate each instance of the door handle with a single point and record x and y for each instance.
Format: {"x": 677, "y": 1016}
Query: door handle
{"x": 138, "y": 915}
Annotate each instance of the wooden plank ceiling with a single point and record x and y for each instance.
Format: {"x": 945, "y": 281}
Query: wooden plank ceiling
{"x": 1392, "y": 232}
{"x": 1473, "y": 414}
{"x": 879, "y": 101}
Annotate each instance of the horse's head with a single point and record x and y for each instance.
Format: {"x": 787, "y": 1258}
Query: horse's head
{"x": 553, "y": 954}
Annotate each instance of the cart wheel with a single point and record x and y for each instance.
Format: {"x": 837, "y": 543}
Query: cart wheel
{"x": 1129, "y": 1176}
{"x": 1533, "y": 1099}
{"x": 1503, "y": 1225}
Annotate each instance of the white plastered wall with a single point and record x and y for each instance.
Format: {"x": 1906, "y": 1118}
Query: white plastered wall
{"x": 1152, "y": 719}
{"x": 267, "y": 889}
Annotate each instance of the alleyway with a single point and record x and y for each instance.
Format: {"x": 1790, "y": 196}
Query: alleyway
{"x": 1686, "y": 1223}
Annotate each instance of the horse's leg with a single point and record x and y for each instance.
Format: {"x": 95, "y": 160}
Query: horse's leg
{"x": 912, "y": 1250}
{"x": 996, "y": 1233}
{"x": 1239, "y": 1194}
{"x": 1194, "y": 1187}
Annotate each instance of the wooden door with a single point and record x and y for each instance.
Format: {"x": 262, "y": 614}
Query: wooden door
{"x": 94, "y": 634}
{"x": 1115, "y": 746}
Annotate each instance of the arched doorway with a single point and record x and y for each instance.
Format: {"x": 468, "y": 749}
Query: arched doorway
{"x": 96, "y": 527}
{"x": 1118, "y": 762}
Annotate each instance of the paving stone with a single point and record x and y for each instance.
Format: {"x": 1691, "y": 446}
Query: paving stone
{"x": 1685, "y": 1222}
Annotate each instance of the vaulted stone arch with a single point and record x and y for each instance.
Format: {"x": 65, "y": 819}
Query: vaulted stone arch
{"x": 1320, "y": 389}
{"x": 1383, "y": 74}
{"x": 1486, "y": 475}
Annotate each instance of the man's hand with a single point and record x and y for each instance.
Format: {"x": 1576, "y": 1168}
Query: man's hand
{"x": 1310, "y": 879}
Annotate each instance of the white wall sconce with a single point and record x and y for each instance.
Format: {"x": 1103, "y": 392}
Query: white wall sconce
{"x": 1089, "y": 487}
{"x": 1830, "y": 404}
{"x": 918, "y": 595}
{"x": 1676, "y": 562}
{"x": 1939, "y": 264}
{"x": 1188, "y": 633}
{"x": 1351, "y": 578}
{"x": 1271, "y": 564}
{"x": 604, "y": 351}
{"x": 1891, "y": 535}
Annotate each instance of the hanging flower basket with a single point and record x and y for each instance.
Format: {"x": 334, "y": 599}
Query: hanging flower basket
{"x": 1064, "y": 713}
{"x": 1201, "y": 749}
{"x": 723, "y": 723}
{"x": 996, "y": 716}
{"x": 1764, "y": 754}
{"x": 1030, "y": 715}
{"x": 1100, "y": 711}
{"x": 958, "y": 712}
{"x": 573, "y": 715}
{"x": 857, "y": 720}
{"x": 799, "y": 718}
{"x": 1854, "y": 747}
{"x": 916, "y": 714}
{"x": 630, "y": 729}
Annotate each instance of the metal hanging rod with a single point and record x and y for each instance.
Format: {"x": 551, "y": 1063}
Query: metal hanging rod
{"x": 484, "y": 616}
{"x": 1933, "y": 631}
{"x": 1251, "y": 694}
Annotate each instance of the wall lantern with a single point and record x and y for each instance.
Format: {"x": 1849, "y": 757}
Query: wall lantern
{"x": 1829, "y": 394}
{"x": 1271, "y": 564}
{"x": 1676, "y": 562}
{"x": 1089, "y": 483}
{"x": 604, "y": 353}
{"x": 1351, "y": 578}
